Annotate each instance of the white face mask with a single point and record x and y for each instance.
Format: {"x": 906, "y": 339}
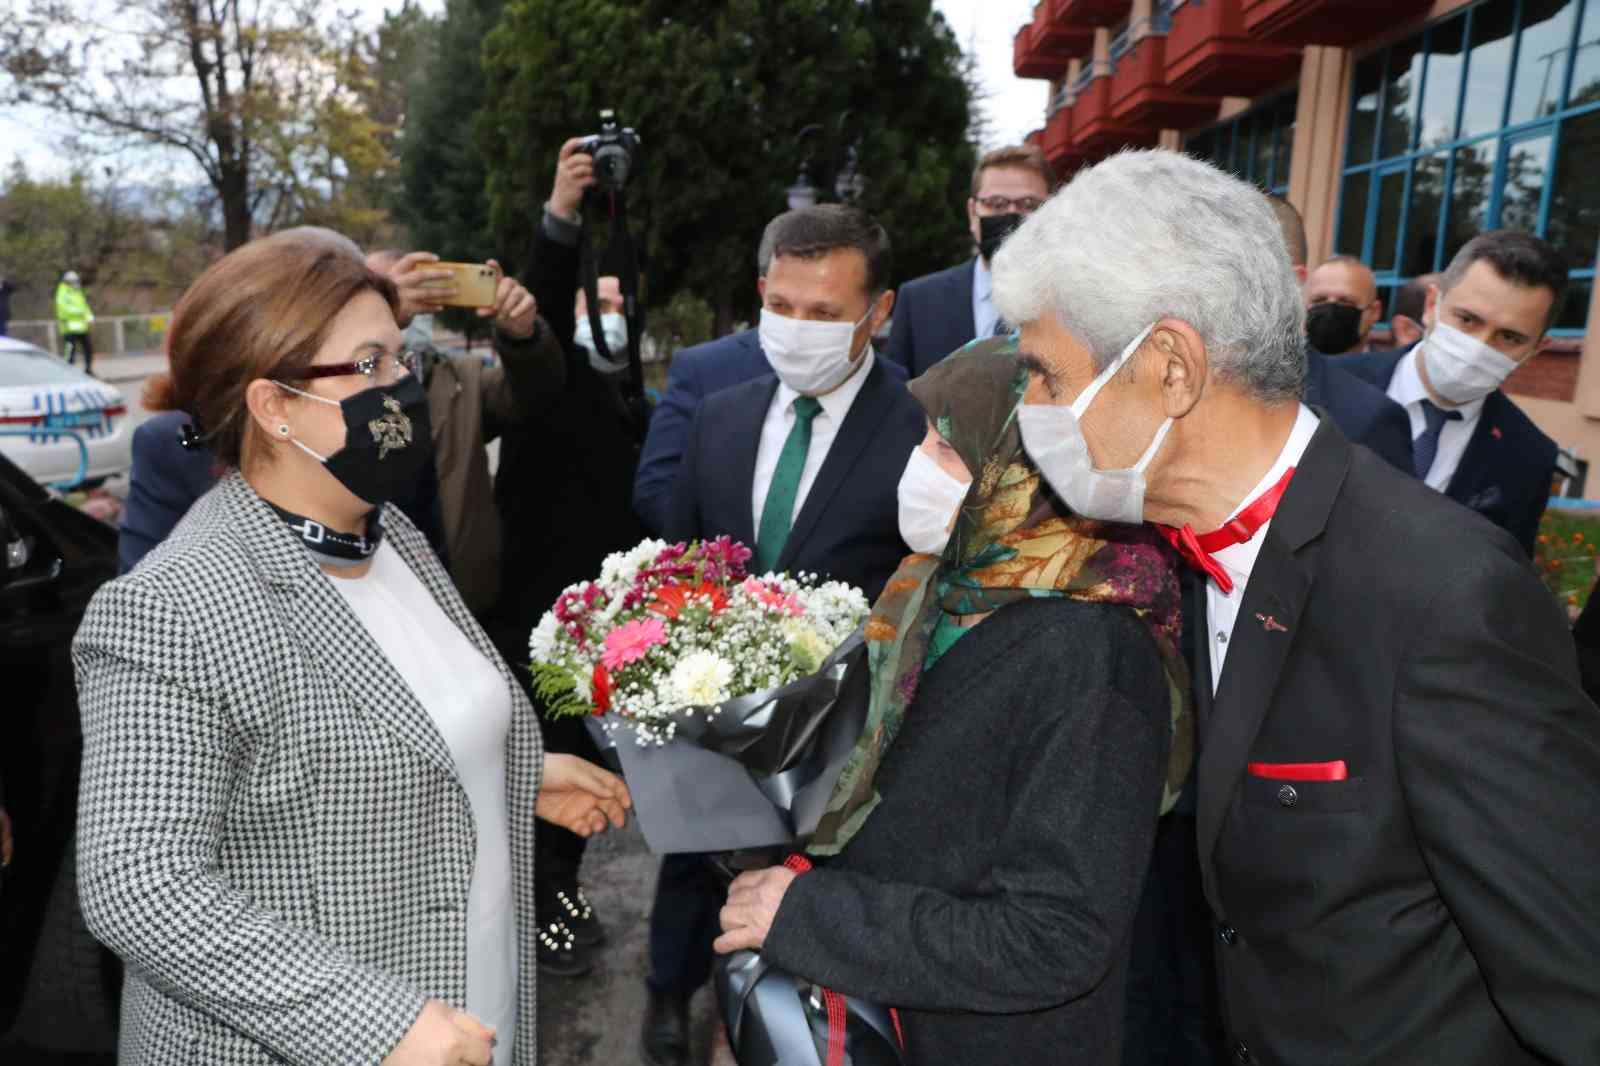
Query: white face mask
{"x": 614, "y": 327}
{"x": 929, "y": 497}
{"x": 812, "y": 358}
{"x": 1462, "y": 369}
{"x": 1054, "y": 439}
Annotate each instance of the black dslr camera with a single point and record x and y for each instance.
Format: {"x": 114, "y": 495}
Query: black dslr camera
{"x": 613, "y": 149}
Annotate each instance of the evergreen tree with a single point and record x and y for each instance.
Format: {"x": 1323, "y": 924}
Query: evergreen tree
{"x": 720, "y": 91}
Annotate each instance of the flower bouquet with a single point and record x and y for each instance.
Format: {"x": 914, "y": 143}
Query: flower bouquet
{"x": 722, "y": 694}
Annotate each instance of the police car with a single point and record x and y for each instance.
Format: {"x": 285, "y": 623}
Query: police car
{"x": 57, "y": 423}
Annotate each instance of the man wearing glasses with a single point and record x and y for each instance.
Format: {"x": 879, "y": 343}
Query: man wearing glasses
{"x": 939, "y": 313}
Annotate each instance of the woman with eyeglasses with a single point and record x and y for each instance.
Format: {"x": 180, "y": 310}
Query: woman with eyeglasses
{"x": 310, "y": 783}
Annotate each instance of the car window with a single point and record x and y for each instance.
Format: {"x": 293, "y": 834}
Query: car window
{"x": 36, "y": 368}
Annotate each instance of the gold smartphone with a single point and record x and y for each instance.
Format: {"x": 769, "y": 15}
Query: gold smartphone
{"x": 475, "y": 284}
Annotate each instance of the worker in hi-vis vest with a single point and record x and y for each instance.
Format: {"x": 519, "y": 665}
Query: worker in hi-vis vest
{"x": 74, "y": 318}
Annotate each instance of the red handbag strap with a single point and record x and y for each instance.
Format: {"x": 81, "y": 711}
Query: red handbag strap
{"x": 833, "y": 1001}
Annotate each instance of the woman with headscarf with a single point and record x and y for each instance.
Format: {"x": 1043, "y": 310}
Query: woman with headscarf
{"x": 1028, "y": 725}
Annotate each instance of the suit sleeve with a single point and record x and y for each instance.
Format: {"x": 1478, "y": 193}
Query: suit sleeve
{"x": 682, "y": 515}
{"x": 665, "y": 444}
{"x": 158, "y": 498}
{"x": 900, "y": 349}
{"x": 160, "y": 760}
{"x": 1065, "y": 882}
{"x": 553, "y": 280}
{"x": 1525, "y": 525}
{"x": 1499, "y": 758}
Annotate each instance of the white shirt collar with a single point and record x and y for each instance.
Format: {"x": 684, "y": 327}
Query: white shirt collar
{"x": 982, "y": 281}
{"x": 1240, "y": 559}
{"x": 1406, "y": 388}
{"x": 835, "y": 404}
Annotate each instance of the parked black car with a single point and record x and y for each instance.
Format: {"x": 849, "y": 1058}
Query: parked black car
{"x": 58, "y": 987}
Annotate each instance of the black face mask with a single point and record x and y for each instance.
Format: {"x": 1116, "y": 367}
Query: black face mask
{"x": 992, "y": 229}
{"x": 1333, "y": 328}
{"x": 387, "y": 440}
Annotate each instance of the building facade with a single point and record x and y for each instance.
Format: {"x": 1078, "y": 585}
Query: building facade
{"x": 1399, "y": 128}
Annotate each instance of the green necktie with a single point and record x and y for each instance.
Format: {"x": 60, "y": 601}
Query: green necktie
{"x": 777, "y": 513}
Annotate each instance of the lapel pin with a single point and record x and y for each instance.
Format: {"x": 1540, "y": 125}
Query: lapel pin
{"x": 1271, "y": 624}
{"x": 1494, "y": 431}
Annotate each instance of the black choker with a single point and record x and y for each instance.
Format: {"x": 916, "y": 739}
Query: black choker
{"x": 335, "y": 548}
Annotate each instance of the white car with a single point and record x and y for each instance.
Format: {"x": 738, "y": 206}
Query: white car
{"x": 57, "y": 423}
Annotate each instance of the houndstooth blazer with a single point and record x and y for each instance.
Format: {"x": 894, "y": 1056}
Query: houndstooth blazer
{"x": 272, "y": 834}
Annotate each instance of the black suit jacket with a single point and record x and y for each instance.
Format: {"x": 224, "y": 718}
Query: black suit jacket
{"x": 1506, "y": 470}
{"x": 1362, "y": 411}
{"x": 1441, "y": 904}
{"x": 932, "y": 318}
{"x": 848, "y": 529}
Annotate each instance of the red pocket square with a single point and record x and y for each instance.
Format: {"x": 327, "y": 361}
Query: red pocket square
{"x": 1300, "y": 771}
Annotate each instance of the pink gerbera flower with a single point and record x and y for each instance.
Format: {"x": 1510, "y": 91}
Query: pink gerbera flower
{"x": 774, "y": 596}
{"x": 631, "y": 642}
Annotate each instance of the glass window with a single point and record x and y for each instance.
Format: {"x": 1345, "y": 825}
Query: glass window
{"x": 1443, "y": 91}
{"x": 1353, "y": 212}
{"x": 1419, "y": 246}
{"x": 1527, "y": 163}
{"x": 1391, "y": 204}
{"x": 1575, "y": 195}
{"x": 1488, "y": 67}
{"x": 1469, "y": 194}
{"x": 1255, "y": 145}
{"x": 1364, "y": 113}
{"x": 1586, "y": 60}
{"x": 1543, "y": 45}
{"x": 1400, "y": 96}
{"x": 1488, "y": 118}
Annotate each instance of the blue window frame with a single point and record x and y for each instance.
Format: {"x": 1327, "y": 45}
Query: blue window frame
{"x": 1257, "y": 145}
{"x": 1488, "y": 118}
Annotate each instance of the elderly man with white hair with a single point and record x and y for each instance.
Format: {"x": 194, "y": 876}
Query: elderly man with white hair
{"x": 1398, "y": 769}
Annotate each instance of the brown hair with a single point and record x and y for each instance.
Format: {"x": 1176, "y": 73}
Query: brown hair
{"x": 257, "y": 312}
{"x": 1025, "y": 156}
{"x": 1293, "y": 228}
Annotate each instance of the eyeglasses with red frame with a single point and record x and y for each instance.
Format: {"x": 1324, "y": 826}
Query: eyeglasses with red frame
{"x": 385, "y": 366}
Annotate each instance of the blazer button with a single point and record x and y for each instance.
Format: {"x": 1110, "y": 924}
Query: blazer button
{"x": 1226, "y": 934}
{"x": 1241, "y": 1051}
{"x": 1288, "y": 796}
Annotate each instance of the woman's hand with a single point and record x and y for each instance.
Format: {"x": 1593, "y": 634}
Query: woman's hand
{"x": 443, "y": 1036}
{"x": 580, "y": 796}
{"x": 753, "y": 902}
{"x": 515, "y": 311}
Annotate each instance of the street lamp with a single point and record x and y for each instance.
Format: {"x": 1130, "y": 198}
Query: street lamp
{"x": 849, "y": 184}
{"x": 803, "y": 193}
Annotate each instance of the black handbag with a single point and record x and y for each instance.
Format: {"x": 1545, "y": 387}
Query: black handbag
{"x": 774, "y": 1018}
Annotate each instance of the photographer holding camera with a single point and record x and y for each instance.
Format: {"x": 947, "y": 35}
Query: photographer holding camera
{"x": 563, "y": 490}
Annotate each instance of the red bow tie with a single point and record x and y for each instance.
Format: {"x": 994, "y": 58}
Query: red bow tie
{"x": 1197, "y": 548}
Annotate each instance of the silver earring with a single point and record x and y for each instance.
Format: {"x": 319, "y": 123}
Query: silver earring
{"x": 283, "y": 430}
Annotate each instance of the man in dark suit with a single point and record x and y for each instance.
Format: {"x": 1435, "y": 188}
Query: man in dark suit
{"x": 938, "y": 313}
{"x": 1486, "y": 316}
{"x": 1396, "y": 763}
{"x": 802, "y": 466}
{"x": 1362, "y": 412}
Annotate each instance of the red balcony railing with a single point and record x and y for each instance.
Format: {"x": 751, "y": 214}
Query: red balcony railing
{"x": 1210, "y": 52}
{"x": 1332, "y": 22}
{"x": 1141, "y": 96}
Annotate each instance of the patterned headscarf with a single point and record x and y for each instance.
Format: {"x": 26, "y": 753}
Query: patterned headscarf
{"x": 1010, "y": 543}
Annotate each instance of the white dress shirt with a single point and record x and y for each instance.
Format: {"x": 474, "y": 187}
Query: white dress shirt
{"x": 984, "y": 315}
{"x": 468, "y": 700}
{"x": 824, "y": 428}
{"x": 1222, "y": 608}
{"x": 1407, "y": 390}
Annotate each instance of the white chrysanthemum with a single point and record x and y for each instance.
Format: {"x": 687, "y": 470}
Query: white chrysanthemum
{"x": 542, "y": 644}
{"x": 699, "y": 679}
{"x": 620, "y": 568}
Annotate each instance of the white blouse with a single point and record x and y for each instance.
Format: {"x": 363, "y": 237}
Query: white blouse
{"x": 468, "y": 700}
